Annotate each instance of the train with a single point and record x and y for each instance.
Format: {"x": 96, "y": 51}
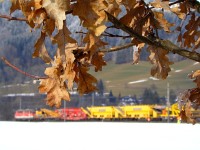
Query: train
{"x": 95, "y": 113}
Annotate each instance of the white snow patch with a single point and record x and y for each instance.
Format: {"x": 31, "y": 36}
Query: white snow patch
{"x": 111, "y": 86}
{"x": 138, "y": 81}
{"x": 27, "y": 82}
{"x": 196, "y": 63}
{"x": 98, "y": 136}
{"x": 152, "y": 78}
{"x": 19, "y": 94}
{"x": 178, "y": 70}
{"x": 13, "y": 85}
{"x": 7, "y": 86}
{"x": 73, "y": 92}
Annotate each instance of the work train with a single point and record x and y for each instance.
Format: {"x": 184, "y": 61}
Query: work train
{"x": 112, "y": 113}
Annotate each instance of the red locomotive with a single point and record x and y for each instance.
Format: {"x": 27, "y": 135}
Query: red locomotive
{"x": 24, "y": 115}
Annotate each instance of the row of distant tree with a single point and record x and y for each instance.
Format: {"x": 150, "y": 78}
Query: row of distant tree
{"x": 149, "y": 96}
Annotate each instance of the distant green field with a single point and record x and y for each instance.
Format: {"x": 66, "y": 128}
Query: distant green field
{"x": 127, "y": 78}
{"x": 124, "y": 79}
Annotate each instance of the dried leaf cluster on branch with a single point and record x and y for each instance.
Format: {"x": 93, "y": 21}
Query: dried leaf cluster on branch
{"x": 141, "y": 20}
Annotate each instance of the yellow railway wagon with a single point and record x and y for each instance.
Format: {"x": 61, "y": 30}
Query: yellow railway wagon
{"x": 44, "y": 113}
{"x": 119, "y": 112}
{"x": 174, "y": 112}
{"x": 138, "y": 112}
{"x": 101, "y": 112}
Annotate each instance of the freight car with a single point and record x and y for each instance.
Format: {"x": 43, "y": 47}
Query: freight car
{"x": 72, "y": 114}
{"x": 99, "y": 112}
{"x": 46, "y": 114}
{"x": 173, "y": 111}
{"x": 141, "y": 112}
{"x": 135, "y": 112}
{"x": 114, "y": 113}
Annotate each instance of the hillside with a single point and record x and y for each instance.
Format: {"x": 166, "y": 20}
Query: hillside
{"x": 130, "y": 79}
{"x": 127, "y": 79}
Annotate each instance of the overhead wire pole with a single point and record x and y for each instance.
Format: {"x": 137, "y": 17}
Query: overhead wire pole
{"x": 93, "y": 98}
{"x": 168, "y": 102}
{"x": 20, "y": 103}
{"x": 64, "y": 110}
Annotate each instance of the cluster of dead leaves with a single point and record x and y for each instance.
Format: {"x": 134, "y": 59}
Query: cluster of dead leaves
{"x": 62, "y": 75}
{"x": 191, "y": 100}
{"x": 149, "y": 19}
{"x": 71, "y": 63}
{"x": 159, "y": 58}
{"x": 188, "y": 31}
{"x": 144, "y": 21}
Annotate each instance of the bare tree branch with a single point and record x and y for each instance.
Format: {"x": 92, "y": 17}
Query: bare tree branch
{"x": 164, "y": 44}
{"x": 19, "y": 70}
{"x": 170, "y": 4}
{"x": 176, "y": 2}
{"x": 9, "y": 18}
{"x": 12, "y": 18}
{"x": 117, "y": 48}
{"x": 115, "y": 35}
{"x": 108, "y": 35}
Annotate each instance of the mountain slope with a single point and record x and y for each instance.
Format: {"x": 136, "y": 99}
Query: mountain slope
{"x": 130, "y": 79}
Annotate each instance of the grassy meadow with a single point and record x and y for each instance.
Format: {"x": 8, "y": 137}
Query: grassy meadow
{"x": 128, "y": 79}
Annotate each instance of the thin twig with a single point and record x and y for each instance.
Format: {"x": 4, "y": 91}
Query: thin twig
{"x": 19, "y": 70}
{"x": 108, "y": 35}
{"x": 116, "y": 48}
{"x": 109, "y": 50}
{"x": 170, "y": 4}
{"x": 115, "y": 35}
{"x": 9, "y": 18}
{"x": 12, "y": 18}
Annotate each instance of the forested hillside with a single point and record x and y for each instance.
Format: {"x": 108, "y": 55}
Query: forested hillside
{"x": 17, "y": 46}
